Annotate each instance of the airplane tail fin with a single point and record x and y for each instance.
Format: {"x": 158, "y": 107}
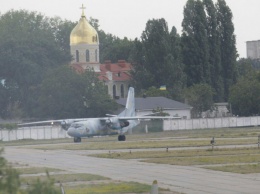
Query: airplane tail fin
{"x": 130, "y": 104}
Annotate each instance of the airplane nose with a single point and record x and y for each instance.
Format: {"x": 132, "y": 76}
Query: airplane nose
{"x": 71, "y": 131}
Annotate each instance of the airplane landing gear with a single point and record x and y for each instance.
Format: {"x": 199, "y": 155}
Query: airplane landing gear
{"x": 77, "y": 139}
{"x": 121, "y": 137}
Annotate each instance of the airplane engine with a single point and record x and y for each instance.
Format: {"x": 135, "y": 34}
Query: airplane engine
{"x": 65, "y": 124}
{"x": 109, "y": 122}
{"x": 124, "y": 124}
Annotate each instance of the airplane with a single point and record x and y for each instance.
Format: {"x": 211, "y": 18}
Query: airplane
{"x": 111, "y": 125}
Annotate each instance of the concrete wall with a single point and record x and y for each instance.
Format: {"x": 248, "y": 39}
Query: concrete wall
{"x": 210, "y": 123}
{"x": 55, "y": 132}
{"x": 44, "y": 132}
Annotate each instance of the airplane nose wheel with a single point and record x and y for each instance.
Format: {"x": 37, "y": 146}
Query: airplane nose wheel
{"x": 77, "y": 139}
{"x": 121, "y": 138}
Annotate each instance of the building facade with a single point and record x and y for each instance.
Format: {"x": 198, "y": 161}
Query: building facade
{"x": 84, "y": 48}
{"x": 253, "y": 49}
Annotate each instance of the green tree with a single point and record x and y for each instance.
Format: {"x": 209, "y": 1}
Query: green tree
{"x": 66, "y": 94}
{"x": 43, "y": 187}
{"x": 9, "y": 181}
{"x": 195, "y": 43}
{"x": 156, "y": 58}
{"x": 213, "y": 37}
{"x": 245, "y": 67}
{"x": 30, "y": 44}
{"x": 245, "y": 95}
{"x": 200, "y": 97}
{"x": 228, "y": 45}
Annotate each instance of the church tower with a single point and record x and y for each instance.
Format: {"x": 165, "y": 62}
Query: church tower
{"x": 84, "y": 44}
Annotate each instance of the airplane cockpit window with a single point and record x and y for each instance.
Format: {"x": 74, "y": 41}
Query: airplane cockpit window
{"x": 76, "y": 125}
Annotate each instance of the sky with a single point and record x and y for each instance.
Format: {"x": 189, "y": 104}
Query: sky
{"x": 128, "y": 18}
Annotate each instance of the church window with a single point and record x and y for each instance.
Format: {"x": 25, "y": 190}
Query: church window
{"x": 77, "y": 56}
{"x": 96, "y": 55}
{"x": 93, "y": 38}
{"x": 87, "y": 55}
{"x": 122, "y": 91}
{"x": 114, "y": 91}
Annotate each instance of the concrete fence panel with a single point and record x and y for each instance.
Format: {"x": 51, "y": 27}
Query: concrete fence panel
{"x": 12, "y": 135}
{"x": 247, "y": 121}
{"x": 5, "y": 135}
{"x": 175, "y": 124}
{"x": 182, "y": 124}
{"x": 47, "y": 132}
{"x": 233, "y": 121}
{"x": 253, "y": 121}
{"x": 240, "y": 122}
{"x": 218, "y": 122}
{"x": 34, "y": 133}
{"x": 196, "y": 124}
{"x": 203, "y": 123}
{"x": 188, "y": 124}
{"x": 167, "y": 125}
{"x": 20, "y": 134}
{"x": 225, "y": 122}
{"x": 211, "y": 123}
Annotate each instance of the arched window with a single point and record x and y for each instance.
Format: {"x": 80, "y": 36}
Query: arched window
{"x": 114, "y": 91}
{"x": 77, "y": 56}
{"x": 87, "y": 55}
{"x": 122, "y": 91}
{"x": 96, "y": 55}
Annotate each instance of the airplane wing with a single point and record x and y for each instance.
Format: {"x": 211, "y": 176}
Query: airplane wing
{"x": 50, "y": 122}
{"x": 147, "y": 117}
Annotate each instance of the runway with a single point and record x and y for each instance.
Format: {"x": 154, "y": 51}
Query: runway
{"x": 183, "y": 179}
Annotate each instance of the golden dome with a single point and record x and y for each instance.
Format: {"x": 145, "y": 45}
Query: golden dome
{"x": 83, "y": 32}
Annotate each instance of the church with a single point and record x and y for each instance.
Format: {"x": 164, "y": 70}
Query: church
{"x": 84, "y": 48}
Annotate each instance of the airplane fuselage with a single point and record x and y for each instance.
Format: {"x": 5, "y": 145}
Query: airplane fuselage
{"x": 97, "y": 127}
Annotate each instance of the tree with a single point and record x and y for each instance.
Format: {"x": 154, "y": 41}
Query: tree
{"x": 156, "y": 58}
{"x": 200, "y": 97}
{"x": 66, "y": 94}
{"x": 228, "y": 45}
{"x": 213, "y": 37}
{"x": 245, "y": 67}
{"x": 9, "y": 181}
{"x": 43, "y": 187}
{"x": 195, "y": 43}
{"x": 30, "y": 44}
{"x": 245, "y": 95}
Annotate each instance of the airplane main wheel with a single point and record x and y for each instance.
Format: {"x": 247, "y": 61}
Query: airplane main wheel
{"x": 121, "y": 138}
{"x": 77, "y": 139}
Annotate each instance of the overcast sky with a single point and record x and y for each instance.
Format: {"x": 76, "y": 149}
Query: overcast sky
{"x": 127, "y": 18}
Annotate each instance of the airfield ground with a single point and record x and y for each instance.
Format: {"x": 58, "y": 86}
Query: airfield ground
{"x": 181, "y": 162}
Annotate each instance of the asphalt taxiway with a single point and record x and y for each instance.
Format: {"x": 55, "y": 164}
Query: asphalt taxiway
{"x": 183, "y": 179}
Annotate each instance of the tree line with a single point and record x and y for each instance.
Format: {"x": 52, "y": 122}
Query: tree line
{"x": 198, "y": 66}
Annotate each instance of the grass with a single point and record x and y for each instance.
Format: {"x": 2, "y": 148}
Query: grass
{"x": 72, "y": 183}
{"x": 242, "y": 169}
{"x": 34, "y": 170}
{"x": 143, "y": 144}
{"x": 64, "y": 178}
{"x": 109, "y": 188}
{"x": 191, "y": 157}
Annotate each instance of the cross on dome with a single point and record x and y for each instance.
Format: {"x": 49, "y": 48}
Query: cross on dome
{"x": 82, "y": 7}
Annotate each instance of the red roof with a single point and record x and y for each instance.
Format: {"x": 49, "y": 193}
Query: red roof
{"x": 120, "y": 70}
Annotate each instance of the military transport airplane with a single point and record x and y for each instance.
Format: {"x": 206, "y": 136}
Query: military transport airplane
{"x": 114, "y": 124}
